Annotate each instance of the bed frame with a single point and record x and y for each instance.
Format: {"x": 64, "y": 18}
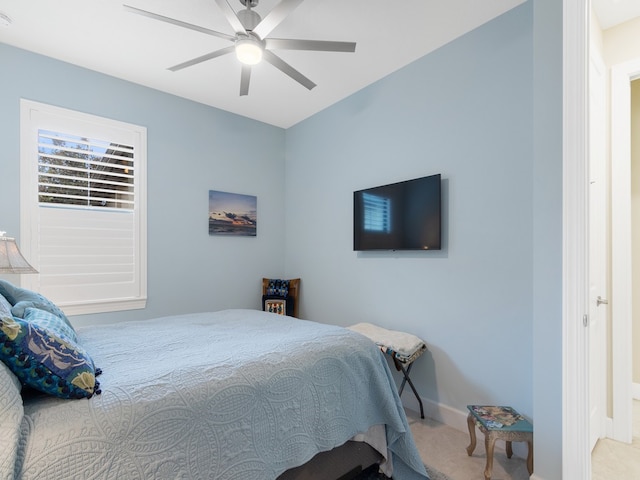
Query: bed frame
{"x": 345, "y": 462}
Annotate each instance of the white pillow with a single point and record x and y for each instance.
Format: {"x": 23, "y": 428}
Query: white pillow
{"x": 11, "y": 413}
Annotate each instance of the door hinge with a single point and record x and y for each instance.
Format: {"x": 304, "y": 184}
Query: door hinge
{"x": 585, "y": 320}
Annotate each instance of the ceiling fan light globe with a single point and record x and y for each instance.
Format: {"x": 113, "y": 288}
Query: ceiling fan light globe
{"x": 248, "y": 52}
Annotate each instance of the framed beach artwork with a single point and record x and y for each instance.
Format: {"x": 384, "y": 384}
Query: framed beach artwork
{"x": 232, "y": 214}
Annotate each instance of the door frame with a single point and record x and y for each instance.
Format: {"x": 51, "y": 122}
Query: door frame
{"x": 598, "y": 216}
{"x": 621, "y": 311}
{"x": 576, "y": 454}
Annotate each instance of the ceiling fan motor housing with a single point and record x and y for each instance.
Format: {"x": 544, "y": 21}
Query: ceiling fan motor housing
{"x": 249, "y": 18}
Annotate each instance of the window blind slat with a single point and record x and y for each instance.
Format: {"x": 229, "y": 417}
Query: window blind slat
{"x": 44, "y": 193}
{"x": 98, "y": 156}
{"x": 124, "y": 163}
{"x": 79, "y": 263}
{"x": 57, "y": 136}
{"x": 111, "y": 178}
{"x": 81, "y": 280}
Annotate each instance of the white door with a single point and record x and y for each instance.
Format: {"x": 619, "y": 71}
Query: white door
{"x": 598, "y": 303}
{"x": 621, "y": 247}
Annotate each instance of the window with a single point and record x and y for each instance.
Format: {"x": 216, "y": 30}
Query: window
{"x": 83, "y": 208}
{"x": 84, "y": 172}
{"x": 377, "y": 213}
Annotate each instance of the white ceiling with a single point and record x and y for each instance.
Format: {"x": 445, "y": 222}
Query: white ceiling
{"x": 613, "y": 12}
{"x": 102, "y": 36}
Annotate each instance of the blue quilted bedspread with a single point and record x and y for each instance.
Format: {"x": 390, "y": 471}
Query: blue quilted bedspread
{"x": 231, "y": 395}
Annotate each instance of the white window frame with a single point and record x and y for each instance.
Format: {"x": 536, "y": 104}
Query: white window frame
{"x": 127, "y": 295}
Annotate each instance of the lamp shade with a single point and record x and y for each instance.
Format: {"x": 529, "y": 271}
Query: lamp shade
{"x": 11, "y": 260}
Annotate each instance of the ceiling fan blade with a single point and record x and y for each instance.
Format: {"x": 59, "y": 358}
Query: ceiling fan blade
{"x": 231, "y": 16}
{"x": 316, "y": 45}
{"x": 287, "y": 69}
{"x": 244, "y": 80}
{"x": 275, "y": 16}
{"x": 173, "y": 21}
{"x": 203, "y": 58}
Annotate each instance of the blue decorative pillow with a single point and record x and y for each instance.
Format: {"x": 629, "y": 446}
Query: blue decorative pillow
{"x": 49, "y": 321}
{"x": 21, "y": 299}
{"x": 46, "y": 359}
{"x": 278, "y": 288}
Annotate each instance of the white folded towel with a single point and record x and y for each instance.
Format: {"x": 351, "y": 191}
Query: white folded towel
{"x": 404, "y": 344}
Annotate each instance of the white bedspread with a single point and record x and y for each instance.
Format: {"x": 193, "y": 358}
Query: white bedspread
{"x": 232, "y": 395}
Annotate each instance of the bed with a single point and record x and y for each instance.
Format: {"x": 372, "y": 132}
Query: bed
{"x": 235, "y": 394}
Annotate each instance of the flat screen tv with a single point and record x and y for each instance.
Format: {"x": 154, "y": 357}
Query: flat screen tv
{"x": 398, "y": 216}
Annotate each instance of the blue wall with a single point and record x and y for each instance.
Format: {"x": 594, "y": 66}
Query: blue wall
{"x": 485, "y": 111}
{"x": 191, "y": 149}
{"x": 464, "y": 111}
{"x": 547, "y": 333}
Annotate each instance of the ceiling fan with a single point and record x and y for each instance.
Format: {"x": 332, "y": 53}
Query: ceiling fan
{"x": 251, "y": 43}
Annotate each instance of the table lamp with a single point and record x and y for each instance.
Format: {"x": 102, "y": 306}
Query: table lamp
{"x": 11, "y": 260}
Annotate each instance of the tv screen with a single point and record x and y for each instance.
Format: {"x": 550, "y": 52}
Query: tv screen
{"x": 399, "y": 216}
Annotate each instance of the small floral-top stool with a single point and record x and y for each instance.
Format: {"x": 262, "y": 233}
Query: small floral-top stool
{"x": 499, "y": 423}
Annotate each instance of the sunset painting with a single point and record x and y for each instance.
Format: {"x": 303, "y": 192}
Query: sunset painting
{"x": 232, "y": 214}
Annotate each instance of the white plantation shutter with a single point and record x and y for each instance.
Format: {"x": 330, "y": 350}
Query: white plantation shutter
{"x": 83, "y": 209}
{"x": 84, "y": 252}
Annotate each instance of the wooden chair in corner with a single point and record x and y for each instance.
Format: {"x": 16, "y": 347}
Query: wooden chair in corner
{"x": 272, "y": 298}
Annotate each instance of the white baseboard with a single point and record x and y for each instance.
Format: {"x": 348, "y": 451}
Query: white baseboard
{"x": 442, "y": 413}
{"x": 456, "y": 419}
{"x": 608, "y": 427}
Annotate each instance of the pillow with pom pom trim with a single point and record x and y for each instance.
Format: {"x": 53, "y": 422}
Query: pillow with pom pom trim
{"x": 47, "y": 360}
